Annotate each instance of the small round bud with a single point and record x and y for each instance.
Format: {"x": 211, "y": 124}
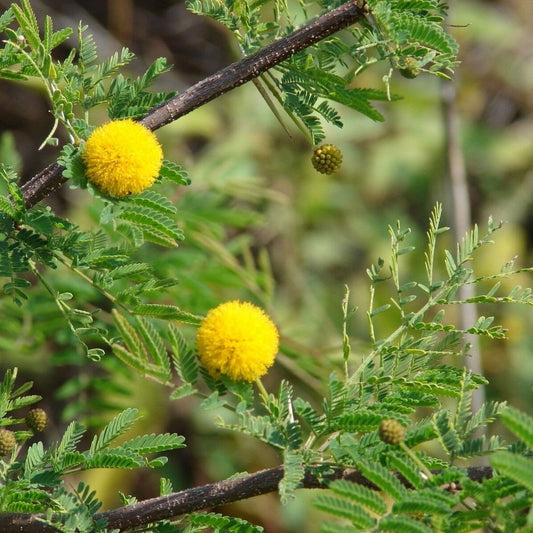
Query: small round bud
{"x": 391, "y": 432}
{"x": 7, "y": 442}
{"x": 37, "y": 420}
{"x": 327, "y": 159}
{"x": 409, "y": 68}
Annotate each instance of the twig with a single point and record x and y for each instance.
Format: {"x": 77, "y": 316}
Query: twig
{"x": 462, "y": 222}
{"x": 204, "y": 498}
{"x": 219, "y": 83}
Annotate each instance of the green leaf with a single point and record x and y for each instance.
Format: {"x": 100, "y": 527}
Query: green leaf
{"x": 221, "y": 524}
{"x": 463, "y": 411}
{"x": 485, "y": 414}
{"x": 336, "y": 527}
{"x": 184, "y": 358}
{"x": 70, "y": 460}
{"x": 403, "y": 524}
{"x": 25, "y": 387}
{"x": 115, "y": 458}
{"x": 155, "y": 226}
{"x": 380, "y": 309}
{"x": 358, "y": 101}
{"x": 424, "y": 32}
{"x": 165, "y": 487}
{"x": 360, "y": 421}
{"x": 381, "y": 477}
{"x": 182, "y": 392}
{"x": 345, "y": 509}
{"x": 110, "y": 65}
{"x": 213, "y": 401}
{"x": 28, "y": 23}
{"x": 130, "y": 270}
{"x": 34, "y": 458}
{"x": 158, "y": 462}
{"x": 6, "y": 18}
{"x": 87, "y": 497}
{"x": 127, "y": 357}
{"x": 7, "y": 207}
{"x": 418, "y": 504}
{"x": 479, "y": 446}
{"x": 130, "y": 338}
{"x": 167, "y": 312}
{"x": 29, "y": 500}
{"x": 293, "y": 473}
{"x": 155, "y": 202}
{"x": 364, "y": 496}
{"x": 515, "y": 466}
{"x": 119, "y": 425}
{"x": 60, "y": 36}
{"x": 309, "y": 415}
{"x": 173, "y": 172}
{"x": 155, "y": 347}
{"x": 154, "y": 443}
{"x": 447, "y": 433}
{"x": 72, "y": 436}
{"x": 407, "y": 468}
{"x": 159, "y": 66}
{"x": 24, "y": 401}
{"x": 87, "y": 47}
{"x": 520, "y": 424}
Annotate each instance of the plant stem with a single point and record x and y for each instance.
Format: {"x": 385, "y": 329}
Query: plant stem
{"x": 262, "y": 391}
{"x": 462, "y": 219}
{"x": 87, "y": 279}
{"x": 53, "y": 294}
{"x": 416, "y": 460}
{"x": 231, "y": 77}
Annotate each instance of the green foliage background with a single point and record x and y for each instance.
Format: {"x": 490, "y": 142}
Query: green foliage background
{"x": 254, "y": 188}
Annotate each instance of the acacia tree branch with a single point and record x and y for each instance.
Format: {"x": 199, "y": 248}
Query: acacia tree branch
{"x": 204, "y": 498}
{"x": 223, "y": 81}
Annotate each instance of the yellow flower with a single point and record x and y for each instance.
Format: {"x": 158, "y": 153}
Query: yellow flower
{"x": 238, "y": 340}
{"x": 122, "y": 157}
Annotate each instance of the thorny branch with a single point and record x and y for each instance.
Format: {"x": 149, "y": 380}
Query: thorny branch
{"x": 236, "y": 74}
{"x": 203, "y": 498}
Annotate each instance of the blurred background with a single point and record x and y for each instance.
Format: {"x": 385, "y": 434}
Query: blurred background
{"x": 293, "y": 238}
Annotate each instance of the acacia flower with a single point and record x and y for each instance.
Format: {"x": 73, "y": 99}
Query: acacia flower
{"x": 238, "y": 340}
{"x": 122, "y": 157}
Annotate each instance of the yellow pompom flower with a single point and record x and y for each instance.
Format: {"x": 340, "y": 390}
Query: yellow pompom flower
{"x": 122, "y": 157}
{"x": 237, "y": 340}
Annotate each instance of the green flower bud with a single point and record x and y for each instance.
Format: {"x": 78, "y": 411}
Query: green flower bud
{"x": 37, "y": 420}
{"x": 391, "y": 432}
{"x": 7, "y": 442}
{"x": 327, "y": 159}
{"x": 409, "y": 68}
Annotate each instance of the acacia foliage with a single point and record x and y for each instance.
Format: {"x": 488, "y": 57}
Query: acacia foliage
{"x": 122, "y": 307}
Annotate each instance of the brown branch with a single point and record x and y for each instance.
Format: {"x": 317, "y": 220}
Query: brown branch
{"x": 42, "y": 184}
{"x": 254, "y": 65}
{"x": 204, "y": 498}
{"x": 217, "y": 84}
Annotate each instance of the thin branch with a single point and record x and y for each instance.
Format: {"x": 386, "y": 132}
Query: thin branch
{"x": 223, "y": 81}
{"x": 462, "y": 222}
{"x": 204, "y": 498}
